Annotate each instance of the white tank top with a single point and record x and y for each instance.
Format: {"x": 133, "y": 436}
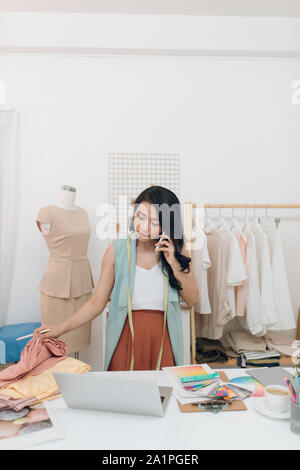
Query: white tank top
{"x": 148, "y": 289}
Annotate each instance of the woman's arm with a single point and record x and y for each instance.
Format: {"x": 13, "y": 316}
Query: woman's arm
{"x": 93, "y": 307}
{"x": 190, "y": 290}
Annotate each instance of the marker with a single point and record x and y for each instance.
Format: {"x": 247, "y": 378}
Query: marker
{"x": 291, "y": 389}
{"x": 199, "y": 378}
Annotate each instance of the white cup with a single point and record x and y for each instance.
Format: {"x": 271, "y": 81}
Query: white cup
{"x": 277, "y": 398}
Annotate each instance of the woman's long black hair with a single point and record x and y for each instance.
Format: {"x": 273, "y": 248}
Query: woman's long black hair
{"x": 161, "y": 196}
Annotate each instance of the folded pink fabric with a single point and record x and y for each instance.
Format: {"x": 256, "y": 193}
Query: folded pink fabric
{"x": 38, "y": 355}
{"x": 15, "y": 404}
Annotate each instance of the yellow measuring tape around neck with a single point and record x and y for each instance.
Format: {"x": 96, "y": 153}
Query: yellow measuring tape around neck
{"x": 166, "y": 290}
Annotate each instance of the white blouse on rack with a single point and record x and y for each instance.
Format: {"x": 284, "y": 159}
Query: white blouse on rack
{"x": 282, "y": 300}
{"x": 148, "y": 289}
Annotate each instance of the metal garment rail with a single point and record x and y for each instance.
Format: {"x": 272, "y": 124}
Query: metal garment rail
{"x": 188, "y": 225}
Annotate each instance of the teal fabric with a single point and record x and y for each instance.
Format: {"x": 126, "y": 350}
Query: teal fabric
{"x": 118, "y": 305}
{"x": 12, "y": 349}
{"x": 2, "y": 352}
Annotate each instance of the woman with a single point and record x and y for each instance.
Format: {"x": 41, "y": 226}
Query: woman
{"x": 143, "y": 274}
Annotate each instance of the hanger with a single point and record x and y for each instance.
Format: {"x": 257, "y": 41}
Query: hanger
{"x": 208, "y": 223}
{"x": 198, "y": 226}
{"x": 269, "y": 222}
{"x": 222, "y": 222}
{"x": 237, "y": 228}
{"x": 267, "y": 215}
{"x": 198, "y": 229}
{"x": 247, "y": 221}
{"x": 256, "y": 223}
{"x": 277, "y": 221}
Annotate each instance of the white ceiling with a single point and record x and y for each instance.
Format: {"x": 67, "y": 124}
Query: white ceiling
{"x": 284, "y": 8}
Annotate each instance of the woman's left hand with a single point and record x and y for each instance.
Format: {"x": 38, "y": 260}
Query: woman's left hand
{"x": 167, "y": 246}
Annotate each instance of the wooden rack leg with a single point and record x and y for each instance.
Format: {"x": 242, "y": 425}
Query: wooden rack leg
{"x": 193, "y": 335}
{"x": 298, "y": 325}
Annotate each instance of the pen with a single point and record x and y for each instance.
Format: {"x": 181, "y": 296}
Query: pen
{"x": 28, "y": 336}
{"x": 214, "y": 401}
{"x": 292, "y": 393}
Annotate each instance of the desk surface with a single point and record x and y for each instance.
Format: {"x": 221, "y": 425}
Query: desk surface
{"x": 226, "y": 430}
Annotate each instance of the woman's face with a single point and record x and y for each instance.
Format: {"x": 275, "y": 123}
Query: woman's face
{"x": 146, "y": 222}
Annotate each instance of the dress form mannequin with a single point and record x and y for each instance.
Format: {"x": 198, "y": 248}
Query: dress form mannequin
{"x": 67, "y": 282}
{"x": 66, "y": 200}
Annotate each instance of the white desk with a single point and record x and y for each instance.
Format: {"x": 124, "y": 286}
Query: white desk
{"x": 176, "y": 430}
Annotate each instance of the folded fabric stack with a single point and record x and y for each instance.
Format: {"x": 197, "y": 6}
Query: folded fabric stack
{"x": 253, "y": 359}
{"x": 242, "y": 341}
{"x": 43, "y": 386}
{"x": 281, "y": 344}
{"x": 210, "y": 350}
{"x": 31, "y": 380}
{"x": 38, "y": 355}
{"x": 15, "y": 404}
{"x": 253, "y": 350}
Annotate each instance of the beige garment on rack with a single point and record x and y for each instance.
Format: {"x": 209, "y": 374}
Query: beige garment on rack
{"x": 236, "y": 272}
{"x": 67, "y": 283}
{"x": 211, "y": 326}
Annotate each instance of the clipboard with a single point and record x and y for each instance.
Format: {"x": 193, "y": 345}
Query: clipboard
{"x": 236, "y": 405}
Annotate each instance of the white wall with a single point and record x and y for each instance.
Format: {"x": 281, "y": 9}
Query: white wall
{"x": 230, "y": 119}
{"x": 183, "y": 33}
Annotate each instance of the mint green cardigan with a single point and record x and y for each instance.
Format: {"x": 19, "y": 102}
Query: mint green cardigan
{"x": 118, "y": 305}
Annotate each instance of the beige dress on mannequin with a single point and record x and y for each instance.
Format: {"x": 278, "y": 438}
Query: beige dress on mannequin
{"x": 67, "y": 283}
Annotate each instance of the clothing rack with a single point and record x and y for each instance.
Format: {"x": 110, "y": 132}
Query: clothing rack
{"x": 188, "y": 224}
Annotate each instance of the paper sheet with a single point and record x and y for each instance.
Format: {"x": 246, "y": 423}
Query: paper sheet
{"x": 32, "y": 425}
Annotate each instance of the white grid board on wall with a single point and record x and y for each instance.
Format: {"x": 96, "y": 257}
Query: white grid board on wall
{"x": 130, "y": 173}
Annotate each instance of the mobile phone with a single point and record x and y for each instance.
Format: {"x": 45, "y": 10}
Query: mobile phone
{"x": 161, "y": 239}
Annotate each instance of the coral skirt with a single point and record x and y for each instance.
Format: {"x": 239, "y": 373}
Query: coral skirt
{"x": 148, "y": 328}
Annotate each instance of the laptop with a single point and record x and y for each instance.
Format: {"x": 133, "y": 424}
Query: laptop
{"x": 92, "y": 391}
{"x": 271, "y": 375}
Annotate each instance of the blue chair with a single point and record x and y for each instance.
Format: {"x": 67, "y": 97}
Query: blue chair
{"x": 10, "y": 349}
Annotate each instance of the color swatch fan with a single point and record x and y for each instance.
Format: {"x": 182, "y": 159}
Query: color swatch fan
{"x": 193, "y": 380}
{"x": 250, "y": 383}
